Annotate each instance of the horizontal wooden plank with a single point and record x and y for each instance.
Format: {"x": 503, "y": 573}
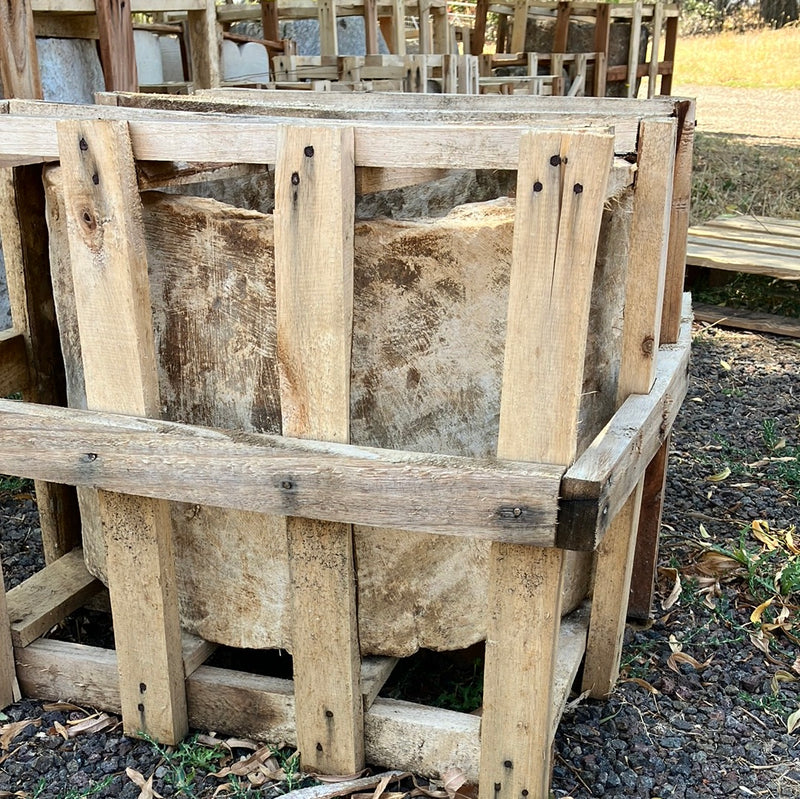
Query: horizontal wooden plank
{"x": 742, "y": 319}
{"x": 222, "y": 139}
{"x": 756, "y": 224}
{"x": 49, "y": 596}
{"x": 196, "y": 651}
{"x": 783, "y": 240}
{"x": 14, "y": 373}
{"x": 596, "y": 486}
{"x": 136, "y": 6}
{"x": 779, "y": 262}
{"x": 496, "y": 500}
{"x": 417, "y": 738}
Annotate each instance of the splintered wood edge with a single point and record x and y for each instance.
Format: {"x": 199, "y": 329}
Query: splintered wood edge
{"x": 402, "y": 735}
{"x": 493, "y": 499}
{"x": 597, "y": 485}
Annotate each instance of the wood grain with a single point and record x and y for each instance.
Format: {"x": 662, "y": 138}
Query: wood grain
{"x": 117, "y": 56}
{"x": 14, "y": 373}
{"x": 112, "y": 298}
{"x": 314, "y": 214}
{"x": 19, "y": 64}
{"x": 560, "y": 189}
{"x": 204, "y": 36}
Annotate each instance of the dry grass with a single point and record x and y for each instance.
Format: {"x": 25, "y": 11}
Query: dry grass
{"x": 754, "y": 59}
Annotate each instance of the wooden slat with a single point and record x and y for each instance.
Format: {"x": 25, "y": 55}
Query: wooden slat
{"x": 560, "y": 190}
{"x": 109, "y": 270}
{"x": 9, "y": 687}
{"x": 754, "y": 259}
{"x": 328, "y": 34}
{"x": 742, "y": 319}
{"x": 655, "y": 43}
{"x": 270, "y": 474}
{"x": 374, "y": 673}
{"x": 117, "y": 56}
{"x": 563, "y": 15}
{"x": 633, "y": 48}
{"x": 196, "y": 651}
{"x": 205, "y": 46}
{"x": 19, "y": 65}
{"x": 26, "y": 251}
{"x": 14, "y": 373}
{"x": 314, "y": 301}
{"x": 49, "y": 596}
{"x": 520, "y": 26}
{"x": 678, "y": 225}
{"x": 596, "y": 486}
{"x": 371, "y": 26}
{"x": 424, "y": 740}
{"x": 269, "y": 20}
{"x": 785, "y": 240}
{"x": 757, "y": 225}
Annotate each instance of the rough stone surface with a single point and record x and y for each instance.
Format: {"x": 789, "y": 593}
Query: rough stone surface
{"x": 70, "y": 70}
{"x": 5, "y": 308}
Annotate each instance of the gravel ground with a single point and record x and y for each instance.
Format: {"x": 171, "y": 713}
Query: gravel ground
{"x": 712, "y": 723}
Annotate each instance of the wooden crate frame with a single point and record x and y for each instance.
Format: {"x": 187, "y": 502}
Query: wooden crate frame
{"x": 596, "y": 510}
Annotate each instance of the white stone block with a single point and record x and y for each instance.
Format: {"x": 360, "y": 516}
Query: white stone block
{"x": 148, "y": 58}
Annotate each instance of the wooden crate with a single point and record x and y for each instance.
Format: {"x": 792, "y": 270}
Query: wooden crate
{"x": 316, "y": 489}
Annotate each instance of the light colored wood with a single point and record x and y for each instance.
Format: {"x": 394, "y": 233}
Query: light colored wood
{"x": 49, "y": 596}
{"x": 374, "y": 179}
{"x": 398, "y": 42}
{"x": 756, "y": 226}
{"x": 314, "y": 301}
{"x": 655, "y": 43}
{"x": 196, "y": 651}
{"x": 596, "y": 486}
{"x": 520, "y": 26}
{"x": 117, "y": 56}
{"x": 633, "y": 47}
{"x": 371, "y": 26}
{"x": 19, "y": 65}
{"x": 204, "y": 39}
{"x": 109, "y": 270}
{"x": 14, "y": 374}
{"x": 136, "y": 6}
{"x": 328, "y": 34}
{"x": 747, "y": 320}
{"x": 425, "y": 32}
{"x": 374, "y": 673}
{"x": 678, "y": 224}
{"x": 560, "y": 188}
{"x": 715, "y": 252}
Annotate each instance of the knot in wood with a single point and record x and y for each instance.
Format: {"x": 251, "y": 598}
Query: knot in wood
{"x": 295, "y": 179}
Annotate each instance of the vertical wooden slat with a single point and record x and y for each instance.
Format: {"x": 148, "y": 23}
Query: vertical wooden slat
{"x": 441, "y": 30}
{"x": 561, "y": 34}
{"x": 398, "y": 27}
{"x": 560, "y": 191}
{"x": 24, "y": 233}
{"x": 670, "y": 43}
{"x": 270, "y": 23}
{"x": 652, "y": 70}
{"x": 602, "y": 34}
{"x": 371, "y": 26}
{"x": 204, "y": 45}
{"x": 644, "y": 290}
{"x": 117, "y": 56}
{"x": 19, "y": 65}
{"x": 9, "y": 687}
{"x": 328, "y": 36}
{"x": 520, "y": 26}
{"x": 314, "y": 213}
{"x": 633, "y": 47}
{"x": 112, "y": 296}
{"x": 478, "y": 40}
{"x": 425, "y": 31}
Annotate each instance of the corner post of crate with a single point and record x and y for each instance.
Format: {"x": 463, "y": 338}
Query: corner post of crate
{"x": 670, "y": 44}
{"x": 117, "y": 56}
{"x": 520, "y": 26}
{"x": 328, "y": 35}
{"x": 561, "y": 35}
{"x": 24, "y": 233}
{"x": 314, "y": 217}
{"x": 394, "y": 27}
{"x": 9, "y": 686}
{"x": 270, "y": 23}
{"x": 425, "y": 29}
{"x": 19, "y": 65}
{"x": 655, "y": 44}
{"x": 633, "y": 47}
{"x": 560, "y": 194}
{"x": 644, "y": 287}
{"x": 442, "y": 38}
{"x": 371, "y": 26}
{"x": 478, "y": 37}
{"x": 112, "y": 295}
{"x": 602, "y": 34}
{"x": 204, "y": 45}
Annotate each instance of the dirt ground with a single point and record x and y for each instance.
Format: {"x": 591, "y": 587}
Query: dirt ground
{"x": 772, "y": 115}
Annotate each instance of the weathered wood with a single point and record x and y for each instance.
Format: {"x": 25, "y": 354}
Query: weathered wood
{"x": 373, "y": 179}
{"x": 25, "y": 237}
{"x": 655, "y": 43}
{"x": 314, "y": 302}
{"x": 9, "y": 687}
{"x": 645, "y": 558}
{"x": 424, "y": 740}
{"x": 633, "y": 48}
{"x": 755, "y": 258}
{"x": 328, "y": 38}
{"x": 117, "y": 56}
{"x": 49, "y": 596}
{"x": 205, "y": 45}
{"x": 19, "y": 65}
{"x": 14, "y": 372}
{"x": 109, "y": 270}
{"x": 743, "y": 319}
{"x": 560, "y": 188}
{"x": 269, "y": 20}
{"x": 196, "y": 651}
{"x": 374, "y": 673}
{"x": 160, "y": 174}
{"x": 371, "y": 26}
{"x": 597, "y": 485}
{"x": 678, "y": 223}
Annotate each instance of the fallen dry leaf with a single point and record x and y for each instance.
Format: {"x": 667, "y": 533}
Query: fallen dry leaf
{"x": 793, "y": 722}
{"x": 681, "y": 657}
{"x": 65, "y": 707}
{"x": 674, "y": 595}
{"x": 452, "y": 780}
{"x": 262, "y": 765}
{"x": 8, "y": 732}
{"x": 779, "y": 677}
{"x": 755, "y": 616}
{"x": 674, "y": 644}
{"x": 61, "y": 730}
{"x": 715, "y": 564}
{"x": 137, "y": 778}
{"x": 91, "y": 724}
{"x": 719, "y": 476}
{"x": 334, "y": 778}
{"x": 643, "y": 684}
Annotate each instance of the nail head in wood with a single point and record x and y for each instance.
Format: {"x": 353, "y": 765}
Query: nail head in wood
{"x": 537, "y": 186}
{"x": 309, "y": 151}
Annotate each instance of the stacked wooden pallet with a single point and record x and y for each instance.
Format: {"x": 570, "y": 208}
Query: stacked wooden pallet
{"x": 231, "y": 387}
{"x": 753, "y": 245}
